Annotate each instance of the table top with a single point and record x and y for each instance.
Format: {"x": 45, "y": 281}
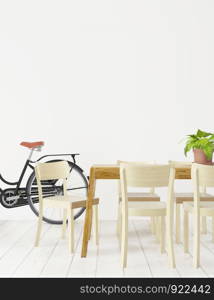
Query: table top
{"x": 111, "y": 171}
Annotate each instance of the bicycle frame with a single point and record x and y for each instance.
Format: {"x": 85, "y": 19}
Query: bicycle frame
{"x": 29, "y": 163}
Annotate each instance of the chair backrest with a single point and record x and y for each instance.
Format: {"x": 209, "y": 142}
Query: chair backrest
{"x": 147, "y": 176}
{"x": 134, "y": 163}
{"x": 53, "y": 170}
{"x": 202, "y": 175}
{"x": 152, "y": 162}
{"x": 180, "y": 164}
{"x": 186, "y": 164}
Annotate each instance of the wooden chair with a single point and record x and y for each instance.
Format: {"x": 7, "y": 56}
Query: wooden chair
{"x": 60, "y": 170}
{"x": 138, "y": 196}
{"x": 202, "y": 175}
{"x": 181, "y": 198}
{"x": 147, "y": 176}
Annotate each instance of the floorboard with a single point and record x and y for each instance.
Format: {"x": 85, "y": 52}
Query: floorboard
{"x": 19, "y": 257}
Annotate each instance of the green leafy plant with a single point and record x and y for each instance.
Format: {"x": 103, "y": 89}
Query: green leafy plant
{"x": 201, "y": 140}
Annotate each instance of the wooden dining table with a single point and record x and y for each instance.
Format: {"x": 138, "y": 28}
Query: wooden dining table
{"x": 109, "y": 172}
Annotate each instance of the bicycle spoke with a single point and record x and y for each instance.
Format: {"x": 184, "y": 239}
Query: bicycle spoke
{"x": 77, "y": 188}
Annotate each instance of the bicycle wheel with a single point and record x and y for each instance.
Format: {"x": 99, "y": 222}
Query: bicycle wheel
{"x": 77, "y": 184}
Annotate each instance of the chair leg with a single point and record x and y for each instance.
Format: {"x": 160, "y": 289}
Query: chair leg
{"x": 196, "y": 248}
{"x": 186, "y": 232}
{"x": 213, "y": 229}
{"x": 178, "y": 223}
{"x": 153, "y": 225}
{"x": 64, "y": 224}
{"x": 119, "y": 219}
{"x": 39, "y": 227}
{"x": 204, "y": 225}
{"x": 96, "y": 224}
{"x": 169, "y": 236}
{"x": 157, "y": 229}
{"x": 70, "y": 230}
{"x": 119, "y": 224}
{"x": 124, "y": 239}
{"x": 162, "y": 234}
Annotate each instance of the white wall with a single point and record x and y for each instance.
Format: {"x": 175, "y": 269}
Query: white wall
{"x": 110, "y": 79}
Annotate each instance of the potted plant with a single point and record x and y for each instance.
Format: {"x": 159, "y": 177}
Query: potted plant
{"x": 202, "y": 144}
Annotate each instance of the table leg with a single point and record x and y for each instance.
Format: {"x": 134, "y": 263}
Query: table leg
{"x": 90, "y": 222}
{"x": 88, "y": 214}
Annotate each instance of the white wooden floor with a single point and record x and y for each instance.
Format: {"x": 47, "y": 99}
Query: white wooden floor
{"x": 18, "y": 257}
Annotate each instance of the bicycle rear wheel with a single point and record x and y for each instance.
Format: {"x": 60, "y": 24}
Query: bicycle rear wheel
{"x": 77, "y": 184}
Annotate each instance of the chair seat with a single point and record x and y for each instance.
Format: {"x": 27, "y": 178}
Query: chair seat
{"x": 65, "y": 201}
{"x": 206, "y": 208}
{"x": 148, "y": 208}
{"x": 183, "y": 197}
{"x": 142, "y": 197}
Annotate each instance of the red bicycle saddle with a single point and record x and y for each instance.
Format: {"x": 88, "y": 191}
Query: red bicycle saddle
{"x": 32, "y": 145}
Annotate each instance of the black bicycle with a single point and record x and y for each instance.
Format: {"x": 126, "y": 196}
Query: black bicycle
{"x": 28, "y": 195}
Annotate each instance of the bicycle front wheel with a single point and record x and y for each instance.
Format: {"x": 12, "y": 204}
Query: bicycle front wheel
{"x": 77, "y": 184}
